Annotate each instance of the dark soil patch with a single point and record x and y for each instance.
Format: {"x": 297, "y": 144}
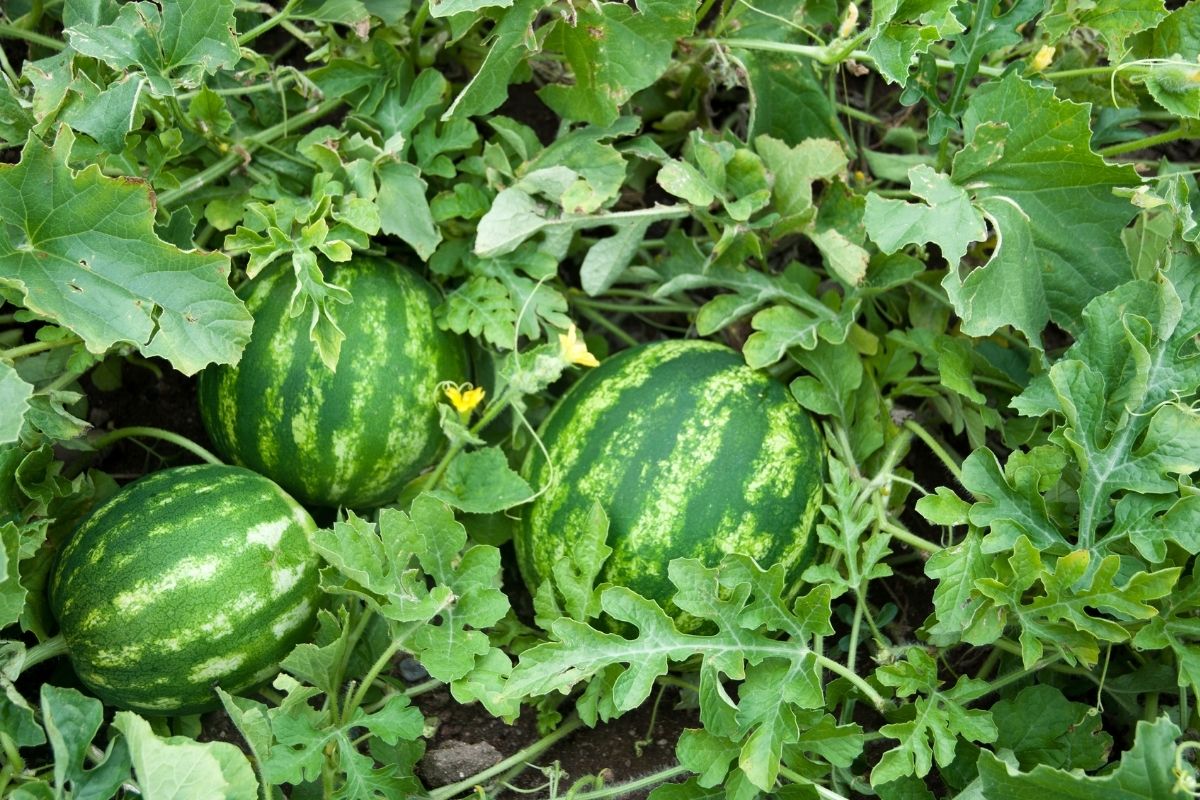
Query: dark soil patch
{"x": 636, "y": 744}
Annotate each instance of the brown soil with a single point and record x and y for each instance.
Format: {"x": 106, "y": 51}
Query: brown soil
{"x": 622, "y": 750}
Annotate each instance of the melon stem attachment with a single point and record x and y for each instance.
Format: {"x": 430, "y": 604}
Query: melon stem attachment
{"x": 51, "y": 648}
{"x": 117, "y": 435}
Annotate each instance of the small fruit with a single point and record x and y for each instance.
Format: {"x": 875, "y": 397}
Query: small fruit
{"x": 187, "y": 579}
{"x": 349, "y": 437}
{"x": 691, "y": 454}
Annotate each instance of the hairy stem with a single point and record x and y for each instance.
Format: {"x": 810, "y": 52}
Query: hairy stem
{"x": 51, "y": 648}
{"x": 935, "y": 447}
{"x": 859, "y": 683}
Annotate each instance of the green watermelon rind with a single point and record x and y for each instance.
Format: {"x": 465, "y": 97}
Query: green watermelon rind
{"x": 187, "y": 579}
{"x": 352, "y": 437}
{"x": 691, "y": 454}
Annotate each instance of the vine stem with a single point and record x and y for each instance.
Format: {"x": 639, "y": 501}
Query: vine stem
{"x": 13, "y": 32}
{"x": 100, "y": 442}
{"x": 521, "y": 756}
{"x": 908, "y": 537}
{"x": 837, "y": 667}
{"x": 634, "y": 308}
{"x": 51, "y": 648}
{"x": 266, "y": 25}
{"x": 607, "y": 324}
{"x": 629, "y": 787}
{"x": 822, "y": 55}
{"x": 20, "y": 351}
{"x": 1180, "y": 132}
{"x": 219, "y": 168}
{"x": 936, "y": 448}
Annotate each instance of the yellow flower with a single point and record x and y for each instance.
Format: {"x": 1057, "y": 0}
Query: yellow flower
{"x": 574, "y": 350}
{"x": 464, "y": 397}
{"x": 1042, "y": 59}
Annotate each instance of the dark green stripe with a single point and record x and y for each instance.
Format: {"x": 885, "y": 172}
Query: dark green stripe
{"x": 210, "y": 525}
{"x": 699, "y": 380}
{"x": 398, "y": 390}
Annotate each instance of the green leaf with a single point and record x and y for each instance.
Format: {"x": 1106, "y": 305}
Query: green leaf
{"x": 208, "y": 111}
{"x": 1013, "y": 129}
{"x": 403, "y": 209}
{"x": 12, "y": 593}
{"x": 448, "y": 8}
{"x": 516, "y": 214}
{"x": 481, "y": 482}
{"x": 686, "y": 182}
{"x": 1041, "y": 726}
{"x": 955, "y": 599}
{"x": 481, "y": 307}
{"x": 1063, "y": 617}
{"x": 608, "y": 258}
{"x": 743, "y": 609}
{"x": 1115, "y": 20}
{"x": 842, "y": 527}
{"x": 511, "y": 39}
{"x": 214, "y": 769}
{"x": 946, "y": 219}
{"x": 14, "y": 403}
{"x": 294, "y": 740}
{"x": 105, "y": 115}
{"x": 573, "y": 577}
{"x": 780, "y": 328}
{"x": 464, "y": 598}
{"x": 940, "y": 719}
{"x": 788, "y": 99}
{"x": 175, "y": 46}
{"x": 84, "y": 254}
{"x": 900, "y": 31}
{"x": 72, "y": 721}
{"x": 1144, "y": 773}
{"x": 614, "y": 51}
{"x": 1177, "y": 34}
{"x": 794, "y": 170}
{"x": 346, "y": 12}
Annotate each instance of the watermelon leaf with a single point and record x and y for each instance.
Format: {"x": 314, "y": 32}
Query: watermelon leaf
{"x": 388, "y": 566}
{"x": 14, "y": 403}
{"x": 12, "y": 593}
{"x": 573, "y": 577}
{"x": 88, "y": 242}
{"x": 481, "y": 482}
{"x": 215, "y": 769}
{"x": 72, "y": 720}
{"x": 940, "y": 719}
{"x": 747, "y": 610}
{"x": 1041, "y": 726}
{"x": 1145, "y": 772}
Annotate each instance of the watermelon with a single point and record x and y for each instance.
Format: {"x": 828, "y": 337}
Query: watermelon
{"x": 350, "y": 437}
{"x": 689, "y": 452}
{"x": 187, "y": 579}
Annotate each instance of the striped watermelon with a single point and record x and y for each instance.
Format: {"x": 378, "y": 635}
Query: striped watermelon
{"x": 690, "y": 452}
{"x": 187, "y": 579}
{"x": 352, "y": 437}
